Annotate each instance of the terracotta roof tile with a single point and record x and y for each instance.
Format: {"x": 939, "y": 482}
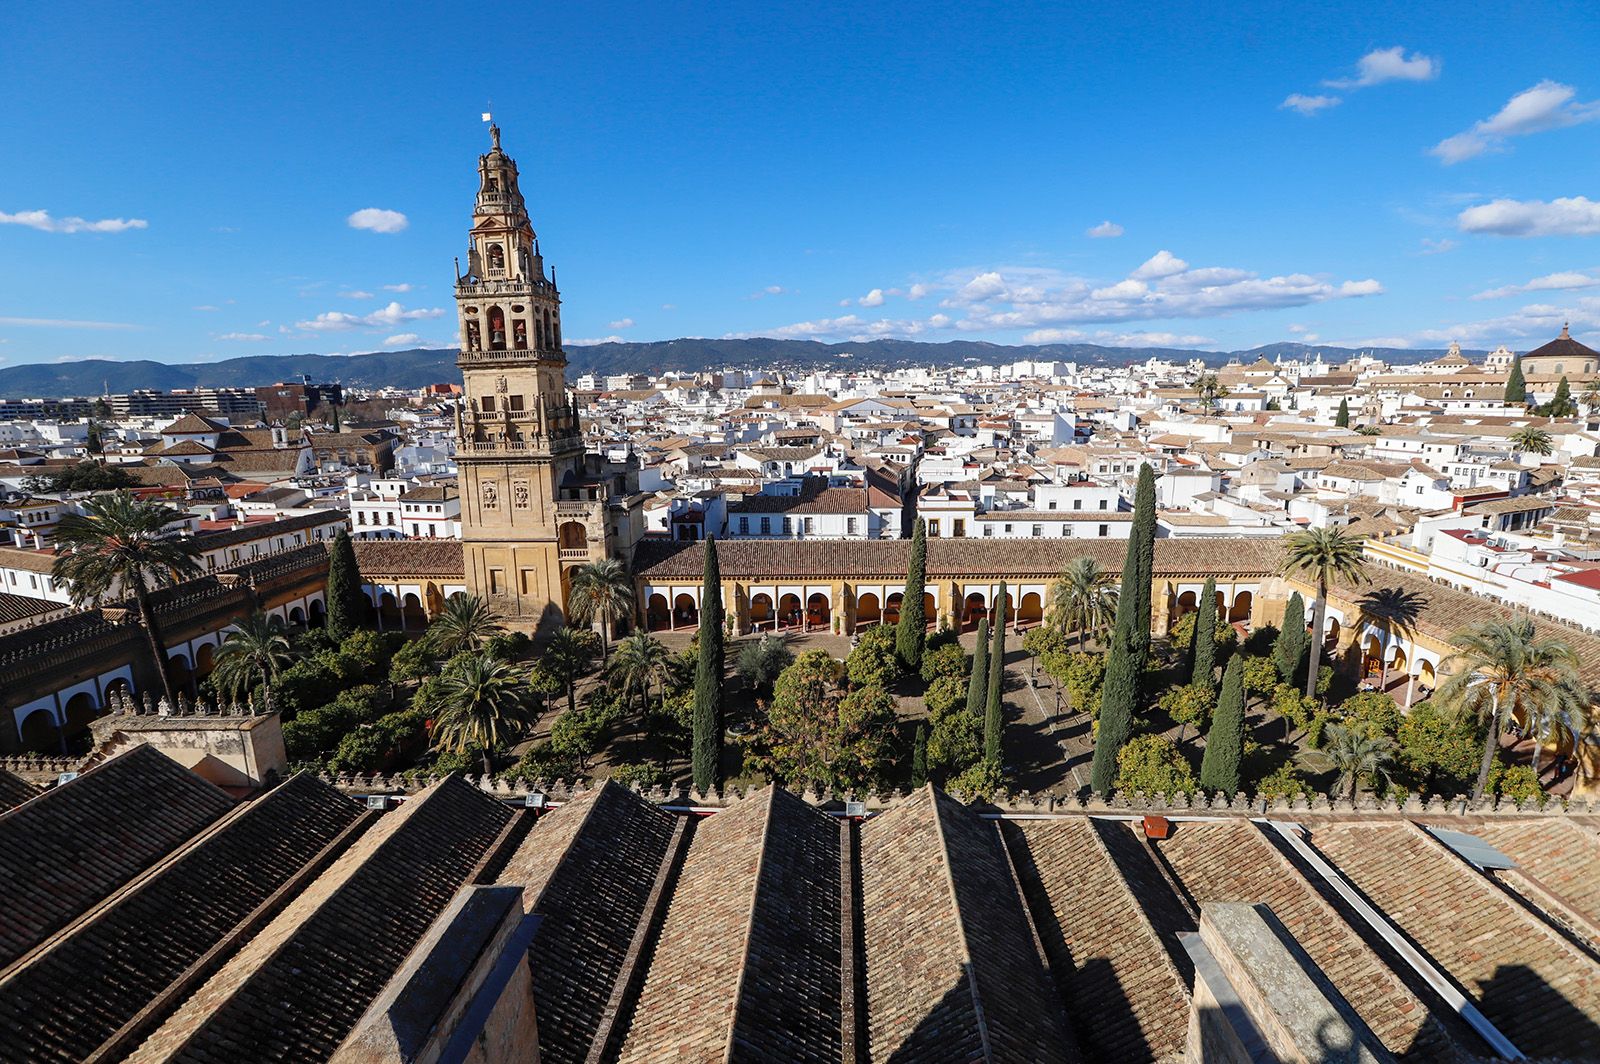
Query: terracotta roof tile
{"x": 72, "y": 846}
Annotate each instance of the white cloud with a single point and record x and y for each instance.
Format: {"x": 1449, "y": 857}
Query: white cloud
{"x": 769, "y": 290}
{"x": 357, "y": 294}
{"x": 1567, "y": 216}
{"x": 1162, "y": 264}
{"x": 402, "y": 340}
{"x": 248, "y": 337}
{"x": 206, "y": 307}
{"x": 378, "y": 220}
{"x": 1548, "y": 105}
{"x": 873, "y": 298}
{"x": 42, "y": 221}
{"x": 1307, "y": 105}
{"x": 1388, "y": 64}
{"x": 1437, "y": 247}
{"x": 917, "y": 291}
{"x": 391, "y": 315}
{"x": 398, "y": 287}
{"x": 1566, "y": 281}
{"x": 1532, "y": 324}
{"x": 595, "y": 340}
{"x": 621, "y": 323}
{"x": 983, "y": 286}
{"x": 669, "y": 306}
{"x": 1106, "y": 338}
{"x": 66, "y": 323}
{"x": 1104, "y": 231}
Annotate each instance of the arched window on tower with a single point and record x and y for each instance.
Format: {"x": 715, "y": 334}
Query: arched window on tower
{"x": 497, "y": 329}
{"x": 497, "y": 259}
{"x": 519, "y": 334}
{"x": 474, "y": 342}
{"x": 547, "y": 344}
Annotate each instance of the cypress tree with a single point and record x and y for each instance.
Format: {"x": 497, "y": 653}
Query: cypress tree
{"x": 978, "y": 679}
{"x": 1142, "y": 547}
{"x": 1117, "y": 694}
{"x": 347, "y": 603}
{"x": 707, "y": 719}
{"x": 919, "y": 757}
{"x": 994, "y": 720}
{"x": 912, "y": 629}
{"x": 1562, "y": 405}
{"x": 1290, "y": 646}
{"x": 1516, "y": 387}
{"x": 1219, "y": 768}
{"x": 1205, "y": 637}
{"x": 1343, "y": 418}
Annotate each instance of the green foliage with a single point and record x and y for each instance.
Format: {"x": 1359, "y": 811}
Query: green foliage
{"x": 1290, "y": 649}
{"x": 919, "y": 756}
{"x": 85, "y": 476}
{"x": 1219, "y": 768}
{"x": 510, "y": 646}
{"x": 945, "y": 694}
{"x": 1138, "y": 570}
{"x": 760, "y": 662}
{"x": 1372, "y": 712}
{"x": 373, "y": 747}
{"x": 912, "y": 627}
{"x": 1153, "y": 764}
{"x": 1562, "y": 405}
{"x": 994, "y": 718}
{"x": 319, "y": 730}
{"x": 1283, "y": 782}
{"x": 642, "y": 775}
{"x": 1050, "y": 646}
{"x": 1223, "y": 636}
{"x": 413, "y": 662}
{"x": 816, "y": 732}
{"x": 978, "y": 677}
{"x": 947, "y": 659}
{"x": 706, "y": 759}
{"x": 1203, "y": 634}
{"x": 483, "y": 703}
{"x": 1516, "y": 385}
{"x": 1355, "y": 757}
{"x": 1189, "y": 704}
{"x": 954, "y": 740}
{"x": 347, "y": 603}
{"x": 1438, "y": 751}
{"x": 979, "y": 782}
{"x": 467, "y": 622}
{"x": 1085, "y": 675}
{"x": 579, "y": 734}
{"x": 1342, "y": 419}
{"x": 544, "y": 764}
{"x": 1115, "y": 725}
{"x": 873, "y": 663}
{"x": 1517, "y": 783}
{"x": 1260, "y": 675}
{"x": 1296, "y": 708}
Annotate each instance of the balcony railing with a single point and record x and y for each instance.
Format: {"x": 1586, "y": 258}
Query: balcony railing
{"x": 574, "y": 554}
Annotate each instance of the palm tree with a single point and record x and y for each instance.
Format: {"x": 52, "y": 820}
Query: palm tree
{"x": 117, "y": 546}
{"x": 1353, "y": 753}
{"x": 1531, "y": 439}
{"x": 467, "y": 622}
{"x": 484, "y": 701}
{"x": 601, "y": 591}
{"x": 1323, "y": 554}
{"x": 1591, "y": 396}
{"x": 1210, "y": 390}
{"x": 1398, "y": 610}
{"x": 256, "y": 650}
{"x": 1502, "y": 668}
{"x": 568, "y": 655}
{"x": 1084, "y": 599}
{"x": 641, "y": 661}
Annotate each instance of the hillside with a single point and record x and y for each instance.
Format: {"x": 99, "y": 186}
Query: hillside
{"x": 418, "y": 367}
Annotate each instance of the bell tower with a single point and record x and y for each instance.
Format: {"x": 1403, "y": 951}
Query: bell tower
{"x": 517, "y": 435}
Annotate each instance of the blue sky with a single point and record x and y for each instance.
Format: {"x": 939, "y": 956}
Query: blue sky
{"x": 185, "y": 182}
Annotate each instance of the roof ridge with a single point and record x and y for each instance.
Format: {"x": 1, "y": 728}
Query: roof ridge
{"x": 967, "y": 968}
{"x": 768, "y": 794}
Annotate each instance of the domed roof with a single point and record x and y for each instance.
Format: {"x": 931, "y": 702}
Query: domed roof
{"x": 1563, "y": 345}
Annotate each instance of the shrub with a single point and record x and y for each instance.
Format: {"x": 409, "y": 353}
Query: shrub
{"x": 945, "y": 694}
{"x": 1260, "y": 675}
{"x": 1189, "y": 704}
{"x": 955, "y": 739}
{"x": 945, "y": 660}
{"x": 643, "y": 775}
{"x": 543, "y": 763}
{"x": 1439, "y": 751}
{"x": 413, "y": 662}
{"x": 1283, "y": 782}
{"x": 874, "y": 661}
{"x": 1374, "y": 713}
{"x": 1154, "y": 764}
{"x": 1182, "y": 635}
{"x": 1084, "y": 676}
{"x": 1517, "y": 783}
{"x": 979, "y": 782}
{"x": 760, "y": 663}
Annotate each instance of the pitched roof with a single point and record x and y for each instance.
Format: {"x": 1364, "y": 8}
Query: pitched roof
{"x": 440, "y": 559}
{"x": 14, "y": 790}
{"x": 65, "y": 1002}
{"x": 76, "y": 843}
{"x": 297, "y": 988}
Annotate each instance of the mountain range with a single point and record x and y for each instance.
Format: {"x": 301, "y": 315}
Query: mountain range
{"x": 417, "y": 367}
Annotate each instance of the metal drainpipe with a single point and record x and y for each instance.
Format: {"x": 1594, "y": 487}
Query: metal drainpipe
{"x": 1436, "y": 980}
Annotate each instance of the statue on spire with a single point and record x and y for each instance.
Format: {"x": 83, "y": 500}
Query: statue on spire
{"x": 494, "y": 135}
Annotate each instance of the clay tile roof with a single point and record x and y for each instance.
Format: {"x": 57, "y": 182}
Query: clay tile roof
{"x": 587, "y": 870}
{"x": 75, "y": 844}
{"x": 67, "y": 1000}
{"x": 296, "y": 989}
{"x": 14, "y": 790}
{"x": 948, "y": 942}
{"x": 749, "y": 954}
{"x": 1562, "y": 345}
{"x": 193, "y": 424}
{"x": 437, "y": 559}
